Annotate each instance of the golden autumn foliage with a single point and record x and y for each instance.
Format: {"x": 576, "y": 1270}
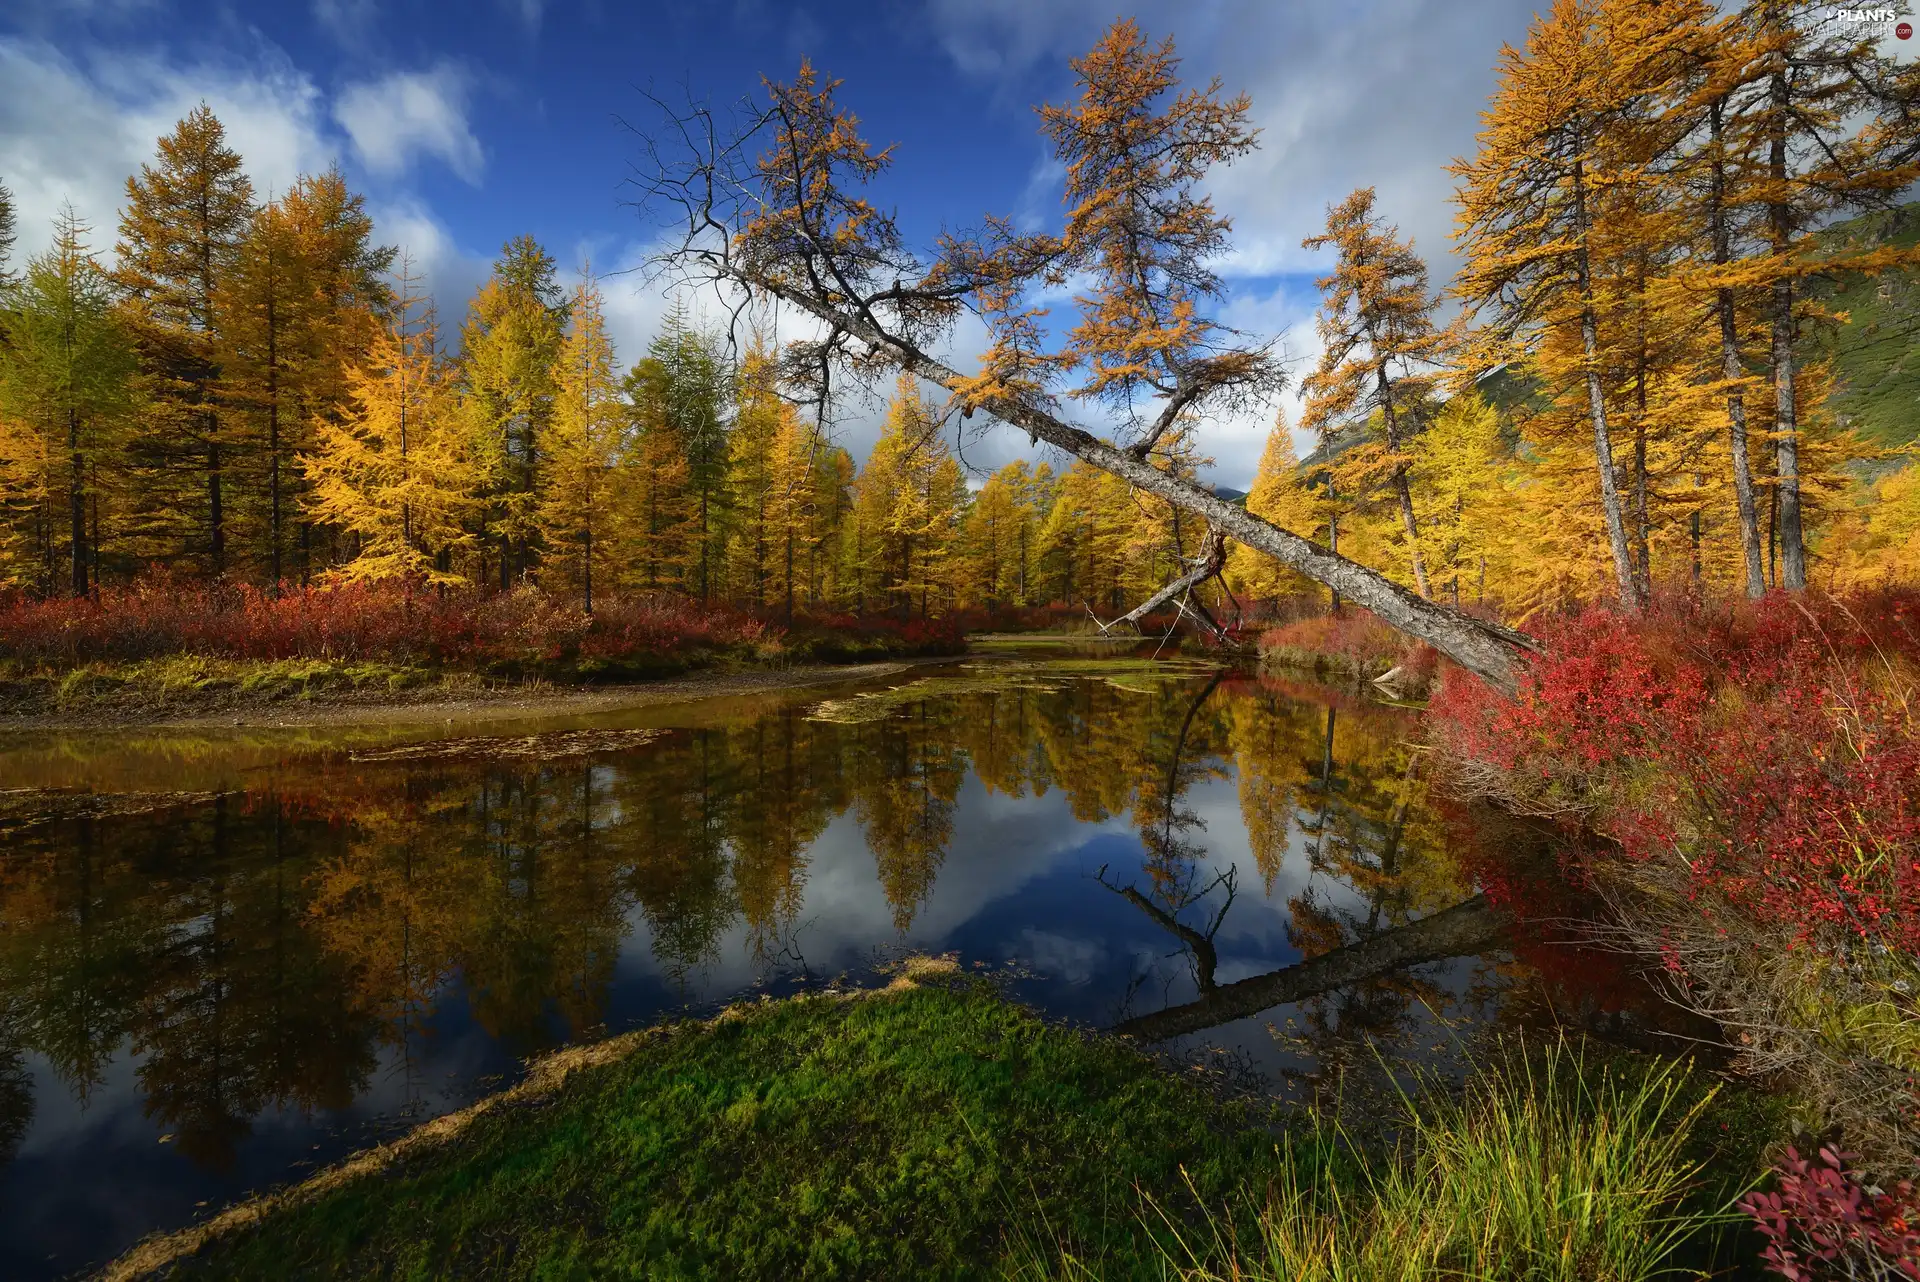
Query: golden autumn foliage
{"x": 1380, "y": 354}
{"x": 1281, "y": 495}
{"x": 1633, "y": 402}
{"x": 397, "y": 475}
{"x": 579, "y": 500}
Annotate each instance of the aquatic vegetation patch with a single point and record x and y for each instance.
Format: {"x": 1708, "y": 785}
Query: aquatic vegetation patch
{"x": 556, "y": 746}
{"x": 25, "y": 807}
{"x": 1136, "y": 676}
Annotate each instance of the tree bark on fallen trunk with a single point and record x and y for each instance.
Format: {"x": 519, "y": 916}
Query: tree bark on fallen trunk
{"x": 1213, "y": 555}
{"x": 1459, "y": 931}
{"x": 1491, "y": 652}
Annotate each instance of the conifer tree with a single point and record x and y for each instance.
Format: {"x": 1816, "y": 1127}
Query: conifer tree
{"x": 509, "y": 343}
{"x": 1717, "y": 175}
{"x": 299, "y": 307}
{"x": 344, "y": 275}
{"x": 833, "y": 476}
{"x": 1460, "y": 476}
{"x": 661, "y": 515}
{"x": 998, "y": 536}
{"x": 24, "y": 473}
{"x": 9, "y": 236}
{"x": 1381, "y": 349}
{"x": 583, "y": 449}
{"x": 180, "y": 227}
{"x": 259, "y": 301}
{"x": 695, "y": 389}
{"x": 1811, "y": 76}
{"x": 1557, "y": 132}
{"x": 1083, "y": 539}
{"x": 792, "y": 494}
{"x": 65, "y": 392}
{"x": 908, "y": 503}
{"x": 1281, "y": 496}
{"x": 397, "y": 475}
{"x": 940, "y": 505}
{"x": 750, "y": 449}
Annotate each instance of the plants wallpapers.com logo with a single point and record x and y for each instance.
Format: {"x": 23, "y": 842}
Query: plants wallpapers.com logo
{"x": 1901, "y": 24}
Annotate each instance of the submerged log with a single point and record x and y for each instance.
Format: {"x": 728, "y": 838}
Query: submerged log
{"x": 1460, "y": 931}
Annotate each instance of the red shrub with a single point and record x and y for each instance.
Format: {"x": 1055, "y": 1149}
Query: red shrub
{"x": 1824, "y": 1223}
{"x": 1774, "y": 745}
{"x": 160, "y": 616}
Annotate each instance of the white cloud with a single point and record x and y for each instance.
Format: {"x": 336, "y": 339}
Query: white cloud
{"x": 448, "y": 272}
{"x": 73, "y": 131}
{"x": 350, "y": 22}
{"x": 408, "y": 114}
{"x": 1380, "y": 94}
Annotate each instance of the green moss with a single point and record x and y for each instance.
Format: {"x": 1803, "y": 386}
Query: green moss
{"x": 917, "y": 1134}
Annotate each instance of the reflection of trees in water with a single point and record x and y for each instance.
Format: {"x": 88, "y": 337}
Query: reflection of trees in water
{"x": 1176, "y": 860}
{"x": 1341, "y": 786}
{"x": 270, "y": 949}
{"x": 183, "y": 935}
{"x": 16, "y": 1084}
{"x": 907, "y": 774}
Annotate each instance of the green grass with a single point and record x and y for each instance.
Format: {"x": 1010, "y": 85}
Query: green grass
{"x": 1549, "y": 1167}
{"x": 942, "y": 1132}
{"x": 192, "y": 679}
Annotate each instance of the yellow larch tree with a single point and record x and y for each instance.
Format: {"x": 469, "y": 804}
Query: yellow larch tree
{"x": 791, "y": 518}
{"x": 397, "y": 475}
{"x": 579, "y": 493}
{"x": 1380, "y": 352}
{"x": 995, "y": 534}
{"x": 907, "y": 505}
{"x": 1812, "y": 119}
{"x": 509, "y": 342}
{"x": 180, "y": 227}
{"x": 298, "y": 308}
{"x": 1280, "y": 495}
{"x": 750, "y": 552}
{"x": 1460, "y": 476}
{"x": 660, "y": 508}
{"x": 1559, "y": 133}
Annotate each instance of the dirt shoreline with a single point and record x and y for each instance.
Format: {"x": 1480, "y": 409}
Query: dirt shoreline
{"x": 437, "y": 706}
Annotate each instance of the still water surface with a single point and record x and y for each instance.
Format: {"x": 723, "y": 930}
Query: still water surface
{"x": 224, "y": 960}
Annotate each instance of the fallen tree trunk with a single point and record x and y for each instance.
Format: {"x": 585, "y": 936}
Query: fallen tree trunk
{"x": 1459, "y": 931}
{"x": 1213, "y": 555}
{"x": 1491, "y": 652}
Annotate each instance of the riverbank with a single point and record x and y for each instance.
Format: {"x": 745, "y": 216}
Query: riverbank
{"x": 244, "y": 696}
{"x": 1741, "y": 782}
{"x": 933, "y": 1129}
{"x": 158, "y": 652}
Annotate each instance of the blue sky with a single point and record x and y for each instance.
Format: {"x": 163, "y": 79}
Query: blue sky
{"x": 468, "y": 123}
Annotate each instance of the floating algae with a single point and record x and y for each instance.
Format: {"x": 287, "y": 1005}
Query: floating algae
{"x": 1136, "y": 676}
{"x": 539, "y": 747}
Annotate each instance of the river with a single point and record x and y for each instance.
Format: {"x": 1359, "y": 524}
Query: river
{"x": 226, "y": 958}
